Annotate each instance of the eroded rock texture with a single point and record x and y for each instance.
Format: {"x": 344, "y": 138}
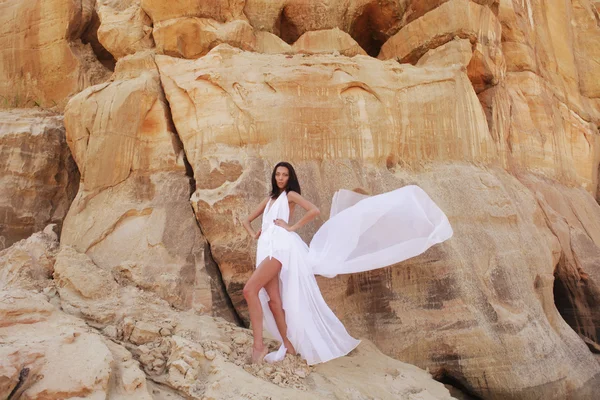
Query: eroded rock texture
{"x": 132, "y": 212}
{"x": 49, "y": 51}
{"x": 124, "y": 27}
{"x": 38, "y": 177}
{"x": 142, "y": 349}
{"x": 492, "y": 106}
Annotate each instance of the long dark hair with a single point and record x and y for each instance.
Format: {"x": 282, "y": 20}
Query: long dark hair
{"x": 292, "y": 184}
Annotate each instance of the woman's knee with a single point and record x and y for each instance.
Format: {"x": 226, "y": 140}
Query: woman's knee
{"x": 249, "y": 291}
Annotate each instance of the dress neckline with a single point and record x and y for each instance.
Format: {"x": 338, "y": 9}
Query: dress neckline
{"x": 271, "y": 205}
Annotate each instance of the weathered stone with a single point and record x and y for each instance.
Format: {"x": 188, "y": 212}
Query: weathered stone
{"x": 493, "y": 279}
{"x": 129, "y": 379}
{"x": 132, "y": 213}
{"x": 573, "y": 216}
{"x": 124, "y": 27}
{"x": 536, "y": 131}
{"x": 79, "y": 280}
{"x": 369, "y": 22}
{"x": 43, "y": 58}
{"x": 29, "y": 264}
{"x": 550, "y": 42}
{"x": 234, "y": 106}
{"x": 57, "y": 356}
{"x": 458, "y": 51}
{"x": 193, "y": 37}
{"x": 327, "y": 41}
{"x": 470, "y": 21}
{"x": 202, "y": 357}
{"x": 144, "y": 332}
{"x": 37, "y": 174}
{"x": 269, "y": 43}
{"x": 219, "y": 10}
{"x": 462, "y": 316}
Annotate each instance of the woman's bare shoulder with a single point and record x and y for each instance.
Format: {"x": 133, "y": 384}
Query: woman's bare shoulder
{"x": 294, "y": 196}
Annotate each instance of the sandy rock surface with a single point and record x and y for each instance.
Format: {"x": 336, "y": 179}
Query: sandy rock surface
{"x": 176, "y": 112}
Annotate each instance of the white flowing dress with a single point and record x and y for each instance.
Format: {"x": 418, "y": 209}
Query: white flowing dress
{"x": 363, "y": 233}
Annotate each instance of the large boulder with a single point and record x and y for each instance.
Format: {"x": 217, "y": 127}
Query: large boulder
{"x": 49, "y": 354}
{"x": 29, "y": 263}
{"x": 124, "y": 27}
{"x": 190, "y": 37}
{"x": 486, "y": 294}
{"x": 538, "y": 132}
{"x": 328, "y": 41}
{"x": 132, "y": 213}
{"x": 349, "y": 108}
{"x": 454, "y": 19}
{"x": 37, "y": 174}
{"x": 573, "y": 216}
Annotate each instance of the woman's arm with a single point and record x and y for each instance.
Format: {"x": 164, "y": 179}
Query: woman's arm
{"x": 255, "y": 214}
{"x": 312, "y": 212}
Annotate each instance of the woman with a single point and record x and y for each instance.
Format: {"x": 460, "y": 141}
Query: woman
{"x": 362, "y": 233}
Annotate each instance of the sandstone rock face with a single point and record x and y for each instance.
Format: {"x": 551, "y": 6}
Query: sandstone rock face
{"x": 544, "y": 115}
{"x": 587, "y": 46}
{"x": 137, "y": 218}
{"x": 239, "y": 112}
{"x": 369, "y": 22}
{"x": 190, "y": 37}
{"x": 45, "y": 52}
{"x": 495, "y": 301}
{"x": 37, "y": 174}
{"x": 540, "y": 133}
{"x": 236, "y": 106}
{"x": 574, "y": 218}
{"x": 269, "y": 43}
{"x": 219, "y": 10}
{"x": 466, "y": 307}
{"x": 470, "y": 20}
{"x": 124, "y": 27}
{"x": 328, "y": 41}
{"x": 486, "y": 298}
{"x": 492, "y": 106}
{"x": 194, "y": 37}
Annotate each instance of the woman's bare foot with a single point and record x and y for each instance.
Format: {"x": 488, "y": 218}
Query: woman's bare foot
{"x": 289, "y": 347}
{"x": 259, "y": 354}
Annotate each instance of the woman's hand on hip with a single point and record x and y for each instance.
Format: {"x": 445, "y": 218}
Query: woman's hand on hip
{"x": 283, "y": 224}
{"x": 257, "y": 234}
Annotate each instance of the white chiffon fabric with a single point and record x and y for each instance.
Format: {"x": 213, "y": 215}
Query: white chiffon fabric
{"x": 363, "y": 233}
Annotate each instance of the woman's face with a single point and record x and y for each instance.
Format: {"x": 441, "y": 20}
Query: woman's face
{"x": 282, "y": 176}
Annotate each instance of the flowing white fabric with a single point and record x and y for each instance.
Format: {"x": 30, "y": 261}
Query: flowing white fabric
{"x": 363, "y": 233}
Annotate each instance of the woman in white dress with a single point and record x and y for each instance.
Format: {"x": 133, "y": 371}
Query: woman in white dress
{"x": 362, "y": 233}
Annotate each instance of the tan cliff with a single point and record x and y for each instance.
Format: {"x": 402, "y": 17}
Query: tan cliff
{"x": 165, "y": 121}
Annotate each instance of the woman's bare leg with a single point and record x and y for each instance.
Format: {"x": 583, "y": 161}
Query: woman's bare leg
{"x": 267, "y": 269}
{"x": 276, "y": 306}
